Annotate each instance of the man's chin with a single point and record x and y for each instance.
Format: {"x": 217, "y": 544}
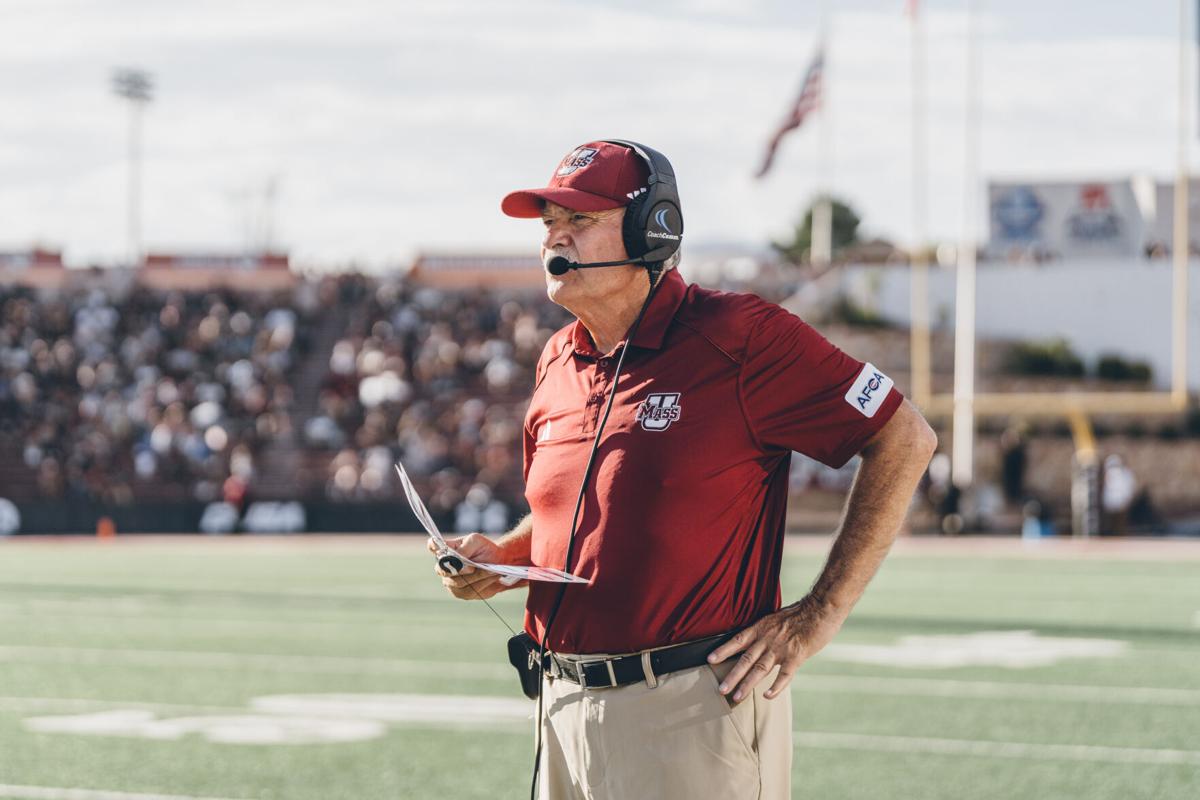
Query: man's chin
{"x": 559, "y": 288}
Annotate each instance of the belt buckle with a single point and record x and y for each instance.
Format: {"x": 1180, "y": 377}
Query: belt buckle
{"x": 582, "y": 666}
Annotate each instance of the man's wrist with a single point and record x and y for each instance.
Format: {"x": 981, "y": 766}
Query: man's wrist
{"x": 822, "y": 602}
{"x": 514, "y": 546}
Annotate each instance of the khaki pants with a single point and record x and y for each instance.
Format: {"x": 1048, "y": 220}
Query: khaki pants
{"x": 680, "y": 739}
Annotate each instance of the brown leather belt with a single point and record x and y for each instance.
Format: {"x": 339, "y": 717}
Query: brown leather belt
{"x": 605, "y": 673}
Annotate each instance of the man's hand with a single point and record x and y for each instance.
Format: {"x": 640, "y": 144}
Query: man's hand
{"x": 470, "y": 583}
{"x": 786, "y": 639}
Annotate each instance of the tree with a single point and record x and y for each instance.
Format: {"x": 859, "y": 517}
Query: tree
{"x": 845, "y": 233}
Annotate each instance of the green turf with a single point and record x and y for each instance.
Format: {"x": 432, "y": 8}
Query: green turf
{"x": 203, "y": 628}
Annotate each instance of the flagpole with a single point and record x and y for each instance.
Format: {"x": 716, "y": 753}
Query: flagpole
{"x": 822, "y": 221}
{"x": 963, "y": 430}
{"x": 1181, "y": 244}
{"x": 921, "y": 361}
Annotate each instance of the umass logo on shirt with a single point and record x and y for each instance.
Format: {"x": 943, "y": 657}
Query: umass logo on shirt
{"x": 658, "y": 411}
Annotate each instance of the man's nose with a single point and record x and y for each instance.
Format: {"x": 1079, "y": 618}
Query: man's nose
{"x": 557, "y": 235}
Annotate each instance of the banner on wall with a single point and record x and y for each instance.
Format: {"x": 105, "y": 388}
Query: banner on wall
{"x": 1042, "y": 221}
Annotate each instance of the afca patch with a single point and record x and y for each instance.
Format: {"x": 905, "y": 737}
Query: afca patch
{"x": 869, "y": 390}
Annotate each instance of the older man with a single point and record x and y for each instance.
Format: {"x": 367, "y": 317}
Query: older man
{"x": 680, "y": 532}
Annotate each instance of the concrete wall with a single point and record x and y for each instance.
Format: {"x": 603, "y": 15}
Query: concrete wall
{"x": 1099, "y": 307}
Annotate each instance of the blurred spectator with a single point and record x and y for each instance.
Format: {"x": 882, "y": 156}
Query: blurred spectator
{"x": 480, "y": 513}
{"x": 439, "y": 380}
{"x": 1013, "y": 462}
{"x": 943, "y": 495}
{"x": 1118, "y": 488}
{"x": 120, "y": 395}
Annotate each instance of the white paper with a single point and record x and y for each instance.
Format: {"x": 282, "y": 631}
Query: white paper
{"x": 510, "y": 573}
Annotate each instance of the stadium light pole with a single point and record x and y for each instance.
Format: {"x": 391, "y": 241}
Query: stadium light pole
{"x": 135, "y": 86}
{"x": 1181, "y": 244}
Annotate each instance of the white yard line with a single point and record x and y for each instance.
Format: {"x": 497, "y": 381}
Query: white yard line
{"x": 328, "y": 590}
{"x": 495, "y": 670}
{"x": 279, "y": 663}
{"x": 148, "y": 621}
{"x": 989, "y": 749}
{"x": 51, "y": 704}
{"x": 58, "y": 793}
{"x": 934, "y": 687}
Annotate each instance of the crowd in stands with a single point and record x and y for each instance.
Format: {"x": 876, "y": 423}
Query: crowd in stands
{"x": 439, "y": 380}
{"x": 122, "y": 395}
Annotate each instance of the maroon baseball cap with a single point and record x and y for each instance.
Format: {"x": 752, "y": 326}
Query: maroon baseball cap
{"x": 593, "y": 177}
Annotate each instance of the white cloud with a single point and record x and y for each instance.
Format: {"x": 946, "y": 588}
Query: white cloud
{"x": 394, "y": 127}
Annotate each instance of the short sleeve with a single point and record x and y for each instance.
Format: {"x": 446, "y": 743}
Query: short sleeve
{"x": 801, "y": 393}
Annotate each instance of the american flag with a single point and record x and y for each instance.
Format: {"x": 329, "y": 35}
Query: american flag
{"x": 807, "y": 102}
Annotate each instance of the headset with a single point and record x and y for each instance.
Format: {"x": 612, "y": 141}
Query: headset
{"x": 652, "y": 231}
{"x": 653, "y": 226}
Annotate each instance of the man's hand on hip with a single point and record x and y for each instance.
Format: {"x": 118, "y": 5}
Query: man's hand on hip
{"x": 471, "y": 583}
{"x": 785, "y": 639}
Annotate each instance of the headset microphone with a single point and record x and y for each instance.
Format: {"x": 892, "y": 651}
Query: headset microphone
{"x": 560, "y": 265}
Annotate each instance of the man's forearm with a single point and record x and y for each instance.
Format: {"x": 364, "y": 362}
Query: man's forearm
{"x": 892, "y": 463}
{"x": 516, "y": 545}
{"x": 875, "y": 510}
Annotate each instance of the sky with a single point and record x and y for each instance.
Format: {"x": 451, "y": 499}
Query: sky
{"x": 389, "y": 128}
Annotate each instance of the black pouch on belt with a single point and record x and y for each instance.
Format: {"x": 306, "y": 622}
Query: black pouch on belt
{"x": 523, "y": 654}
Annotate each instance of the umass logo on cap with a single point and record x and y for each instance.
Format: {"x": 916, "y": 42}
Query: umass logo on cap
{"x": 579, "y": 158}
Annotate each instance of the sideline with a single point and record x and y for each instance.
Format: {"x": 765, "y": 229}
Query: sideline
{"x": 1114, "y": 548}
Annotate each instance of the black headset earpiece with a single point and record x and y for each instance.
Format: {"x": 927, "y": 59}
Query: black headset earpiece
{"x": 653, "y": 226}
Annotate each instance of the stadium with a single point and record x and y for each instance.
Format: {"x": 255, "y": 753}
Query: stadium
{"x": 230, "y": 307}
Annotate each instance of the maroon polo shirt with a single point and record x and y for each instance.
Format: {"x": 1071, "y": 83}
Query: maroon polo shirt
{"x": 681, "y": 530}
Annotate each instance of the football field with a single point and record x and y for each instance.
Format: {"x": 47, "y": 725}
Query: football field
{"x": 326, "y": 668}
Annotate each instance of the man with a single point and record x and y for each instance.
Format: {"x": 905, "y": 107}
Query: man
{"x": 681, "y": 530}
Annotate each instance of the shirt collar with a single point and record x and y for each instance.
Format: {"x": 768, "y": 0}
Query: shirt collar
{"x": 653, "y": 329}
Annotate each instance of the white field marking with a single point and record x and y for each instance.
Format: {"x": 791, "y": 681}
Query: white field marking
{"x": 1196, "y": 620}
{"x": 158, "y": 622}
{"x": 491, "y": 670}
{"x": 1011, "y": 649}
{"x": 296, "y": 719}
{"x": 931, "y": 687}
{"x": 93, "y": 606}
{"x": 383, "y": 707}
{"x": 69, "y": 611}
{"x": 501, "y": 672}
{"x": 48, "y": 704}
{"x": 8, "y": 790}
{"x": 241, "y": 728}
{"x": 420, "y": 708}
{"x": 327, "y": 591}
{"x": 989, "y": 749}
